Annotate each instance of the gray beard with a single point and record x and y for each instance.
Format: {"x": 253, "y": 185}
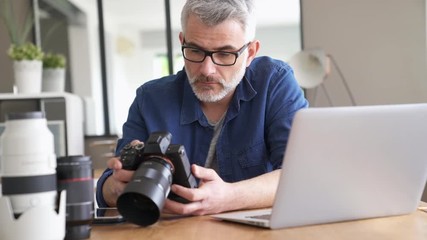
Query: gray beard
{"x": 227, "y": 87}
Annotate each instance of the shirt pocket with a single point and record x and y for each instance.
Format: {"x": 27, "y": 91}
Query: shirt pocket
{"x": 253, "y": 160}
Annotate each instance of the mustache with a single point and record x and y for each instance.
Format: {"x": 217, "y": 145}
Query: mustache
{"x": 206, "y": 79}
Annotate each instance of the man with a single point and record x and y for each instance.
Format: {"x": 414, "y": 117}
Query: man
{"x": 230, "y": 110}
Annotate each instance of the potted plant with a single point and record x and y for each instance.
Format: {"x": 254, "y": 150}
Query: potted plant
{"x": 27, "y": 58}
{"x": 27, "y": 65}
{"x": 53, "y": 72}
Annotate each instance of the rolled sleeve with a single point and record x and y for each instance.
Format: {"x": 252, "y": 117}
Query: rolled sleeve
{"x": 100, "y": 183}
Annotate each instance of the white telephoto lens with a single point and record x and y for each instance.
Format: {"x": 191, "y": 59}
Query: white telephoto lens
{"x": 28, "y": 162}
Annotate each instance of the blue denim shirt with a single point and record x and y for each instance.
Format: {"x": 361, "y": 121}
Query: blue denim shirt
{"x": 256, "y": 127}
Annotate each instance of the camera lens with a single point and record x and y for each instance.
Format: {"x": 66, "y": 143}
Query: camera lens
{"x": 144, "y": 196}
{"x": 75, "y": 174}
{"x": 28, "y": 162}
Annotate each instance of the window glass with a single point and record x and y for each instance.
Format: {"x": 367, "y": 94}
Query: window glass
{"x": 135, "y": 36}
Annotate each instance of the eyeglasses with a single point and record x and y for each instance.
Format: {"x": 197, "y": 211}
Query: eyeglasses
{"x": 221, "y": 58}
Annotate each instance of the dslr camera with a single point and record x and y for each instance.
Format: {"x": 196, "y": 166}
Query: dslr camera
{"x": 157, "y": 165}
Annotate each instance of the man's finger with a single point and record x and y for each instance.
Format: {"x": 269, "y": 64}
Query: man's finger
{"x": 181, "y": 208}
{"x": 114, "y": 163}
{"x": 135, "y": 142}
{"x": 205, "y": 174}
{"x": 123, "y": 175}
{"x": 191, "y": 194}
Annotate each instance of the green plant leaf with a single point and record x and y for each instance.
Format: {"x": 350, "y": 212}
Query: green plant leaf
{"x": 9, "y": 20}
{"x": 27, "y": 27}
{"x": 17, "y": 34}
{"x": 27, "y": 51}
{"x": 52, "y": 60}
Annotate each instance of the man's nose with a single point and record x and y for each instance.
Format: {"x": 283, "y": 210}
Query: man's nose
{"x": 207, "y": 67}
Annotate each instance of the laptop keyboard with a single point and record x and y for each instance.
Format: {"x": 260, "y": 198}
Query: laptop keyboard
{"x": 264, "y": 216}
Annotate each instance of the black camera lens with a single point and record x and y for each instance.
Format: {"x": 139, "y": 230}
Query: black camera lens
{"x": 75, "y": 174}
{"x": 144, "y": 196}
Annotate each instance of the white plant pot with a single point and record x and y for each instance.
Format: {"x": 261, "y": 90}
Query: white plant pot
{"x": 53, "y": 80}
{"x": 28, "y": 76}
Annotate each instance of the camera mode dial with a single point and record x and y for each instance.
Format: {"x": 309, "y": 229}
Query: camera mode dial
{"x": 131, "y": 156}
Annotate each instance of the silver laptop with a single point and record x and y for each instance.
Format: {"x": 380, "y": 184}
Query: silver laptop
{"x": 348, "y": 163}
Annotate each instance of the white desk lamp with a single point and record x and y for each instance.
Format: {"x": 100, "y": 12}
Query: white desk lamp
{"x": 312, "y": 67}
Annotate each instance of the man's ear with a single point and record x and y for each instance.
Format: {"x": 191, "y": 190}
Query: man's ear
{"x": 252, "y": 51}
{"x": 181, "y": 37}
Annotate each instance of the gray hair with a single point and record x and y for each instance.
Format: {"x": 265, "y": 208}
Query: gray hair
{"x": 214, "y": 12}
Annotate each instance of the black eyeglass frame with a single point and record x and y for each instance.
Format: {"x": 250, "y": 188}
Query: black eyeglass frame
{"x": 210, "y": 53}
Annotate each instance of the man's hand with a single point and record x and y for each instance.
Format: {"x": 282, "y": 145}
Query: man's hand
{"x": 115, "y": 184}
{"x": 215, "y": 196}
{"x": 209, "y": 197}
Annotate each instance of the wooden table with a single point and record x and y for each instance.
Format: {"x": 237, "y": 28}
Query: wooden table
{"x": 412, "y": 226}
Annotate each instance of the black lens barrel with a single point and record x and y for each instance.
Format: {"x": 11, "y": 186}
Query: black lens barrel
{"x": 75, "y": 174}
{"x": 144, "y": 196}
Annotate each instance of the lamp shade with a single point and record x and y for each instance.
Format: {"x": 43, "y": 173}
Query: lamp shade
{"x": 310, "y": 67}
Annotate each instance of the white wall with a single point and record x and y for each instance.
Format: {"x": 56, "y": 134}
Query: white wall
{"x": 380, "y": 46}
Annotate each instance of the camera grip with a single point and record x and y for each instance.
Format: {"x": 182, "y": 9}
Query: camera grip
{"x": 182, "y": 175}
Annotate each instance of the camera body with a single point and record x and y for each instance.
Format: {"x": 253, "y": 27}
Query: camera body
{"x": 157, "y": 165}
